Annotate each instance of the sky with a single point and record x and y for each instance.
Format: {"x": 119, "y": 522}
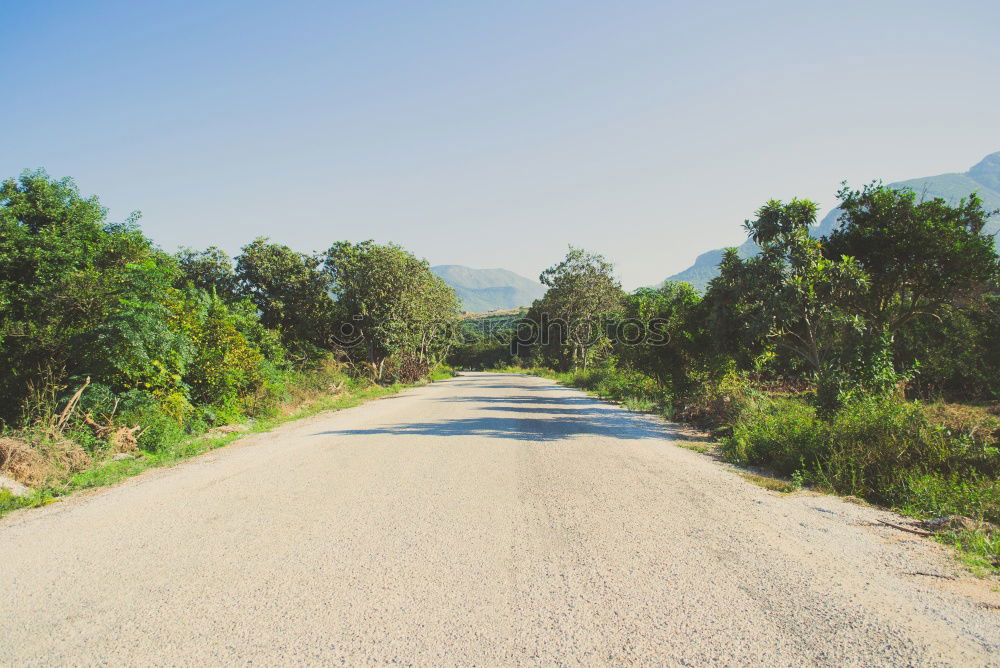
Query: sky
{"x": 491, "y": 134}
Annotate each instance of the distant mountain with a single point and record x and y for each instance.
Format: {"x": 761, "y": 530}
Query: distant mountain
{"x": 483, "y": 290}
{"x": 984, "y": 177}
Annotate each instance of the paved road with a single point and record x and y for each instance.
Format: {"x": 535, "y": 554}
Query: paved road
{"x": 487, "y": 519}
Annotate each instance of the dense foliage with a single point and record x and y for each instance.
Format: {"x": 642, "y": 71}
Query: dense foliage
{"x": 901, "y": 296}
{"x": 391, "y": 303}
{"x": 185, "y": 341}
{"x": 567, "y": 324}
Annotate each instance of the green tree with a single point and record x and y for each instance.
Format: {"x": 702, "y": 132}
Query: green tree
{"x": 232, "y": 354}
{"x": 78, "y": 295}
{"x": 734, "y": 309}
{"x": 919, "y": 254}
{"x": 668, "y": 337}
{"x": 289, "y": 290}
{"x": 583, "y": 294}
{"x": 390, "y": 302}
{"x": 958, "y": 352}
{"x": 210, "y": 270}
{"x": 803, "y": 296}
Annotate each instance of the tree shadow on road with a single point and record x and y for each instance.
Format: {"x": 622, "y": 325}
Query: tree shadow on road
{"x": 531, "y": 419}
{"x": 535, "y": 401}
{"x": 521, "y": 429}
{"x": 478, "y": 384}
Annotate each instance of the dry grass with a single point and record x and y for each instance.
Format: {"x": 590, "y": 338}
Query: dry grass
{"x": 979, "y": 423}
{"x": 42, "y": 461}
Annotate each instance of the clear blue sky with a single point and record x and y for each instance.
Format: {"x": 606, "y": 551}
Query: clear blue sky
{"x": 491, "y": 134}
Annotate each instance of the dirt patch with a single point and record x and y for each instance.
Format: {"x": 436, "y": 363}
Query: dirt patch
{"x": 226, "y": 429}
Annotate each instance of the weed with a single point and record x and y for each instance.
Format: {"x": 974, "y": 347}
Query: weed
{"x": 979, "y": 550}
{"x": 773, "y": 484}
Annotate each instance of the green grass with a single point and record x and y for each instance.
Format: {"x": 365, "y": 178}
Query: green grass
{"x": 700, "y": 448}
{"x": 108, "y": 472}
{"x": 978, "y": 550}
{"x": 767, "y": 482}
{"x": 887, "y": 452}
{"x": 9, "y": 502}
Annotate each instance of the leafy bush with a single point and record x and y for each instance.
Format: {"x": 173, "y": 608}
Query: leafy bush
{"x": 721, "y": 396}
{"x": 874, "y": 444}
{"x": 783, "y": 434}
{"x": 226, "y": 370}
{"x": 886, "y": 451}
{"x": 636, "y": 390}
{"x": 161, "y": 427}
{"x": 79, "y": 296}
{"x": 404, "y": 368}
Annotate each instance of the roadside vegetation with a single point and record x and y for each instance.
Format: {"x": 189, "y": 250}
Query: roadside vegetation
{"x": 118, "y": 356}
{"x": 865, "y": 363}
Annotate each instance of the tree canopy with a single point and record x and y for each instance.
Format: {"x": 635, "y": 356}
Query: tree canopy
{"x": 390, "y": 302}
{"x": 918, "y": 254}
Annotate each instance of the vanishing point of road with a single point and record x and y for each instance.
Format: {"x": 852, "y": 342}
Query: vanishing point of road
{"x": 488, "y": 519}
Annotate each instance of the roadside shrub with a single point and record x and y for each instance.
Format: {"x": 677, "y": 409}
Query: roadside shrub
{"x": 632, "y": 388}
{"x": 720, "y": 397}
{"x": 590, "y": 379}
{"x": 161, "y": 429}
{"x": 874, "y": 444}
{"x": 404, "y": 368}
{"x": 305, "y": 383}
{"x": 975, "y": 428}
{"x": 783, "y": 434}
{"x": 884, "y": 450}
{"x": 225, "y": 371}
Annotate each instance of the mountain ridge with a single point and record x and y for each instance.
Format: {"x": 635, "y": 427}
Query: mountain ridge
{"x": 484, "y": 290}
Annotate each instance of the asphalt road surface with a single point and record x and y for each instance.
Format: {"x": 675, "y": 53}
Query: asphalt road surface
{"x": 487, "y": 519}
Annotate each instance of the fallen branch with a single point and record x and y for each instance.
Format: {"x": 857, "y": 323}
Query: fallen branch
{"x": 918, "y": 532}
{"x": 60, "y": 423}
{"x": 931, "y": 575}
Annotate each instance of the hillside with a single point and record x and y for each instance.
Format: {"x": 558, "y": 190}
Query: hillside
{"x": 483, "y": 290}
{"x": 984, "y": 177}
